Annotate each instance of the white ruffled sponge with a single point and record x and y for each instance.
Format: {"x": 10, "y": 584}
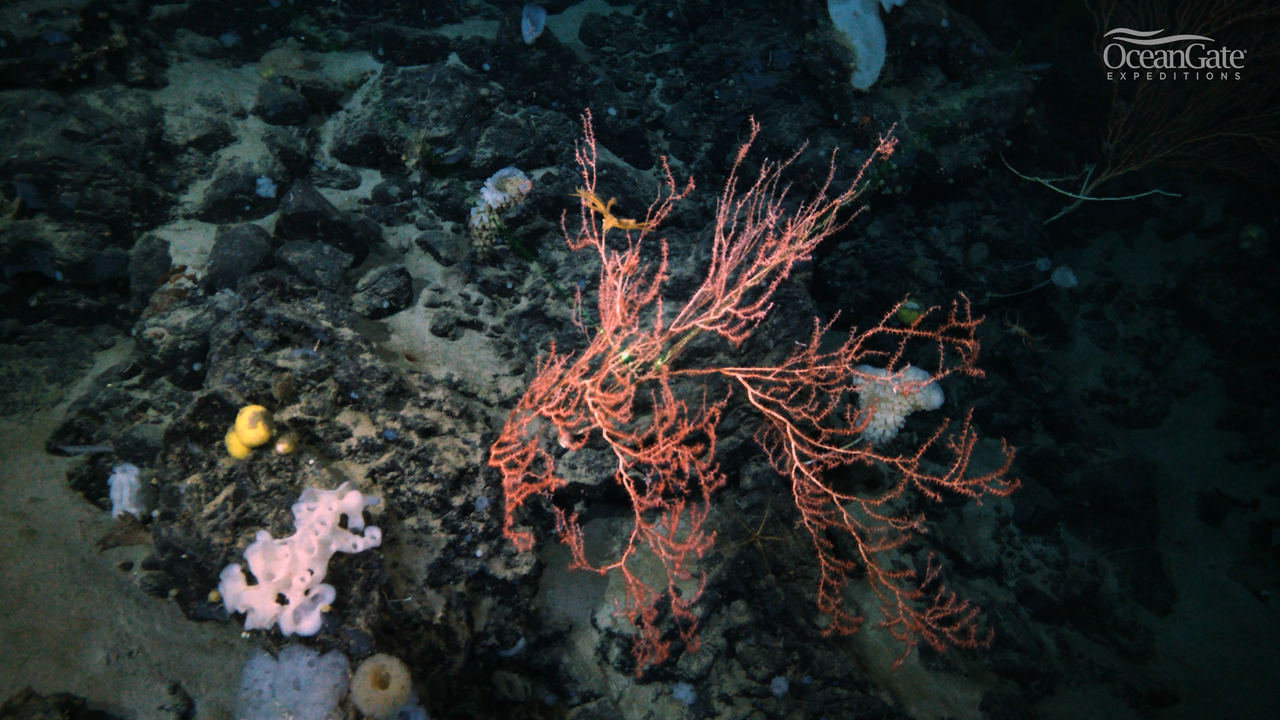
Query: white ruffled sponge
{"x": 507, "y": 188}
{"x": 294, "y": 567}
{"x": 894, "y": 396}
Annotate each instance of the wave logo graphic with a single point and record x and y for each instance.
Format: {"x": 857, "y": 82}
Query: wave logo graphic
{"x": 1139, "y": 37}
{"x": 1146, "y": 54}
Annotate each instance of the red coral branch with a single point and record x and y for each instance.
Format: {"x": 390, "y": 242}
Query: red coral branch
{"x": 812, "y": 421}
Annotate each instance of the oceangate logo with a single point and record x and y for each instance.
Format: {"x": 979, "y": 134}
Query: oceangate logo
{"x": 1191, "y": 59}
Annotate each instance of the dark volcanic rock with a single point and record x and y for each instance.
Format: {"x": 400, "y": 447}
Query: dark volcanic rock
{"x": 237, "y": 251}
{"x": 88, "y": 158}
{"x": 306, "y": 215}
{"x": 279, "y": 104}
{"x": 149, "y": 264}
{"x": 384, "y": 291}
{"x": 315, "y": 262}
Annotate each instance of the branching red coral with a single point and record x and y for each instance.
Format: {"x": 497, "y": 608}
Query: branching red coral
{"x": 621, "y": 392}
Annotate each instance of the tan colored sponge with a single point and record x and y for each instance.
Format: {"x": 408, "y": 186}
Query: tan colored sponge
{"x": 381, "y": 686}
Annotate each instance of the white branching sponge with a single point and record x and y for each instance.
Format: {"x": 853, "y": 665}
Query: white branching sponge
{"x": 293, "y": 569}
{"x": 894, "y": 396}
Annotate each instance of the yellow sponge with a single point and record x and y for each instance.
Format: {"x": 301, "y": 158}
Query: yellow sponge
{"x": 381, "y": 686}
{"x": 253, "y": 425}
{"x": 235, "y": 448}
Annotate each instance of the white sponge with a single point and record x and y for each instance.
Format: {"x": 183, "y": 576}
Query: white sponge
{"x": 294, "y": 568}
{"x": 894, "y": 396}
{"x": 126, "y": 491}
{"x": 301, "y": 684}
{"x": 859, "y": 25}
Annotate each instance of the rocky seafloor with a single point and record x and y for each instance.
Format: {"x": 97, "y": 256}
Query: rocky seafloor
{"x": 267, "y": 203}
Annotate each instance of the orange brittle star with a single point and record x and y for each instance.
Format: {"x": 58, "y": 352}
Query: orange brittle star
{"x": 609, "y": 221}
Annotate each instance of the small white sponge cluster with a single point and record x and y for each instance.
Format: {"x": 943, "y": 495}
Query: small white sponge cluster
{"x": 507, "y": 188}
{"x": 894, "y": 397}
{"x": 294, "y": 567}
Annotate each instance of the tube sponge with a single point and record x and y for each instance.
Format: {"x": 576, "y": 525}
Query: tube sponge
{"x": 381, "y": 686}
